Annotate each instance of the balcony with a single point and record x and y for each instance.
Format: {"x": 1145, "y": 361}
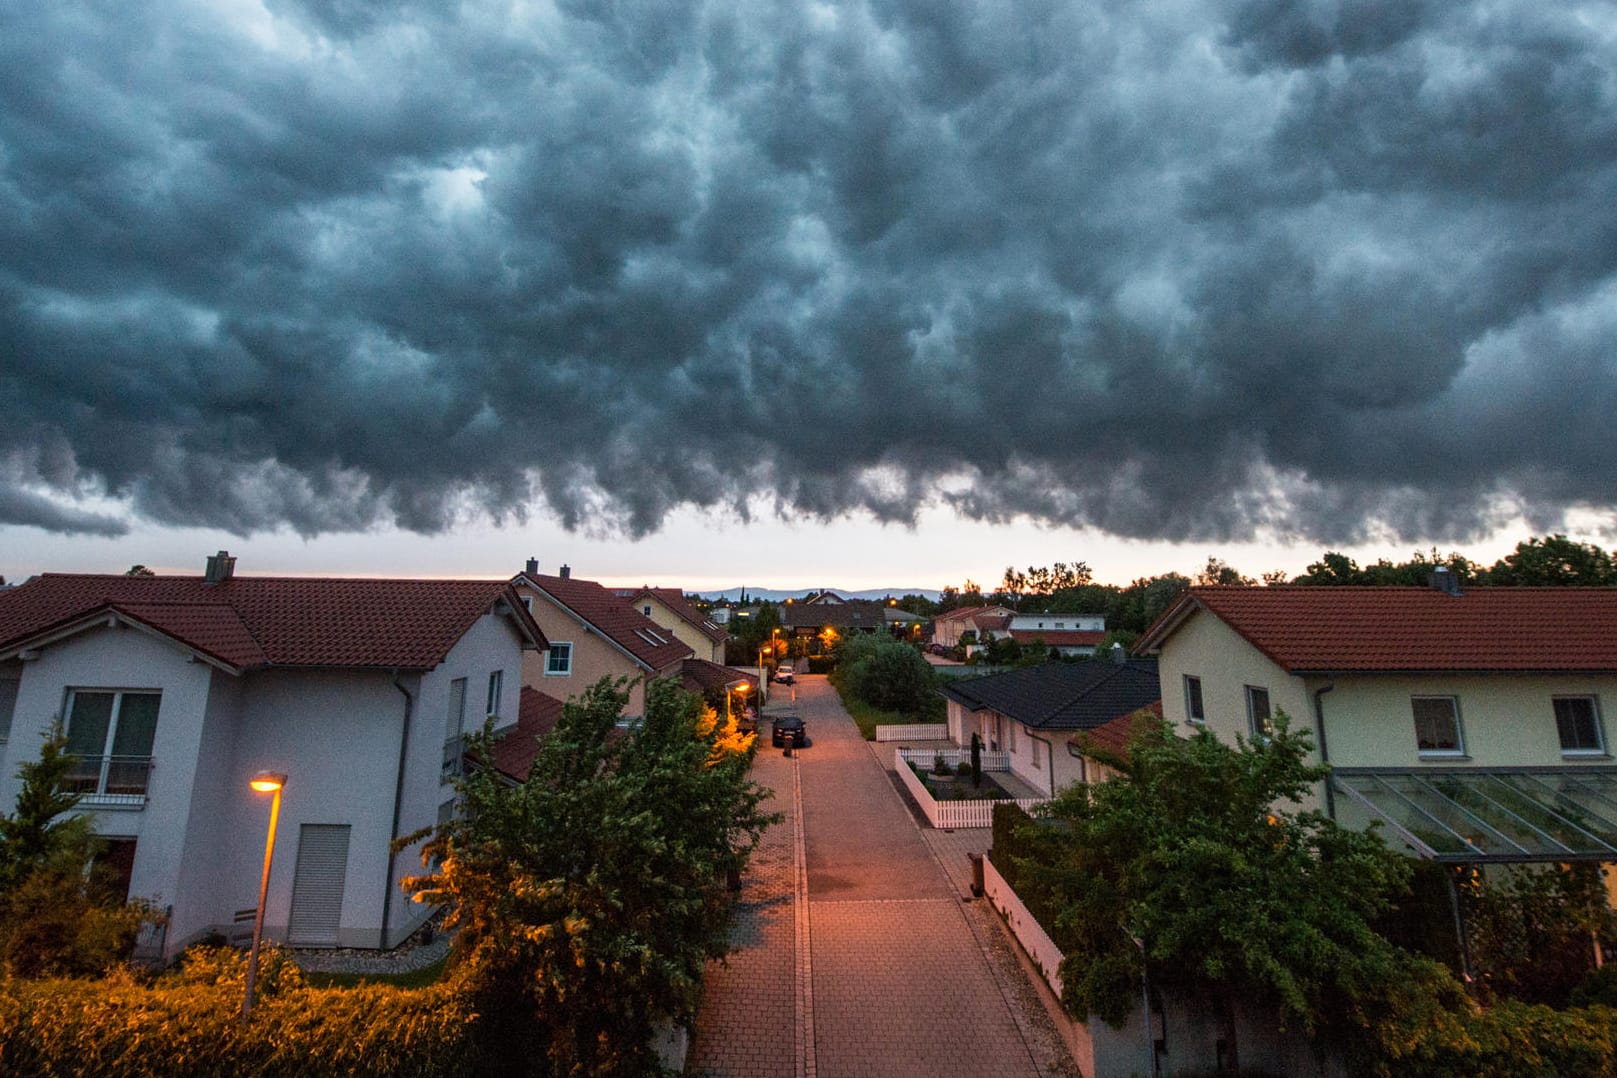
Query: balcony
{"x": 109, "y": 781}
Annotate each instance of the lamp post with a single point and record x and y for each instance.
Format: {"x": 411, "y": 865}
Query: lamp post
{"x": 264, "y": 782}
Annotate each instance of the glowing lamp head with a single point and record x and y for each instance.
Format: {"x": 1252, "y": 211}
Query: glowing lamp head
{"x": 267, "y": 782}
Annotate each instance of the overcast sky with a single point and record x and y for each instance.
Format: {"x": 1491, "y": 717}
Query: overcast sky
{"x": 422, "y": 286}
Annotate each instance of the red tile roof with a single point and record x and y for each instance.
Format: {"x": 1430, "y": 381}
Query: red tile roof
{"x": 966, "y": 613}
{"x": 248, "y": 622}
{"x": 1390, "y": 629}
{"x": 1113, "y": 736}
{"x": 1065, "y": 638}
{"x": 652, "y": 646}
{"x": 537, "y": 715}
{"x": 675, "y": 601}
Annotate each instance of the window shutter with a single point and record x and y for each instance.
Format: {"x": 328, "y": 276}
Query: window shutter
{"x": 317, "y": 884}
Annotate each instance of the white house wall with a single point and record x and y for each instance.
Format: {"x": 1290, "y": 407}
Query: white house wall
{"x": 336, "y": 736}
{"x": 124, "y": 658}
{"x": 202, "y": 895}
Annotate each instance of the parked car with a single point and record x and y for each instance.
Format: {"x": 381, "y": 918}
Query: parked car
{"x": 785, "y": 673}
{"x": 788, "y": 726}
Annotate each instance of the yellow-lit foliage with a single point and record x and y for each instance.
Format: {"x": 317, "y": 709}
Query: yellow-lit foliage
{"x": 188, "y": 1025}
{"x": 728, "y": 739}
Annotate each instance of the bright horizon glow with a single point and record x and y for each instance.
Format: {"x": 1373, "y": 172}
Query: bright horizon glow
{"x": 708, "y": 553}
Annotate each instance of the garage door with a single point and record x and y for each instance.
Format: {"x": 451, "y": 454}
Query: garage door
{"x": 317, "y": 885}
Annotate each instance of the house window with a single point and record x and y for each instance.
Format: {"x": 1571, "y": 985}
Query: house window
{"x": 1258, "y": 720}
{"x": 1577, "y": 721}
{"x": 454, "y": 728}
{"x": 1035, "y": 743}
{"x": 646, "y": 610}
{"x": 111, "y": 735}
{"x": 559, "y": 660}
{"x": 496, "y": 682}
{"x": 1010, "y": 738}
{"x": 1193, "y": 699}
{"x": 8, "y": 706}
{"x": 1437, "y": 725}
{"x": 527, "y": 603}
{"x": 113, "y": 867}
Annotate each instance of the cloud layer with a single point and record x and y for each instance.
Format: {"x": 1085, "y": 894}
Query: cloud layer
{"x": 1190, "y": 270}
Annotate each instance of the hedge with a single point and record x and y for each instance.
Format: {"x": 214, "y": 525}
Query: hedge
{"x": 1512, "y": 1040}
{"x": 189, "y": 1026}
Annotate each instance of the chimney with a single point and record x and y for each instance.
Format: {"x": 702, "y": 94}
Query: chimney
{"x": 532, "y": 568}
{"x": 565, "y": 571}
{"x": 1444, "y": 581}
{"x": 1118, "y": 654}
{"x": 221, "y": 567}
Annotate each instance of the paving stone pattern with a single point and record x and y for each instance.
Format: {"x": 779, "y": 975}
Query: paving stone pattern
{"x": 907, "y": 978}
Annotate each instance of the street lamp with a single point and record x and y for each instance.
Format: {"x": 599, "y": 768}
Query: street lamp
{"x": 265, "y": 782}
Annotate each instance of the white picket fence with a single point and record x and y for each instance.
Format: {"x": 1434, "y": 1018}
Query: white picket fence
{"x": 915, "y": 731}
{"x": 952, "y": 814}
{"x": 991, "y": 761}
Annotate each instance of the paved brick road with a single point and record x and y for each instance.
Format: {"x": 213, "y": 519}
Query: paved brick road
{"x": 902, "y": 982}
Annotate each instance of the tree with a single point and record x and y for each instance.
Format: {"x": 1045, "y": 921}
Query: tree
{"x": 1217, "y": 571}
{"x": 886, "y": 673}
{"x": 1199, "y": 858}
{"x": 58, "y": 917}
{"x": 1555, "y": 560}
{"x": 590, "y": 896}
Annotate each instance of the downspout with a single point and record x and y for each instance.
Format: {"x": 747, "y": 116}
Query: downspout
{"x": 398, "y": 804}
{"x": 1049, "y": 758}
{"x": 1324, "y": 749}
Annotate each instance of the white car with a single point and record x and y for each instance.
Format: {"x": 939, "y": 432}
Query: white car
{"x": 785, "y": 673}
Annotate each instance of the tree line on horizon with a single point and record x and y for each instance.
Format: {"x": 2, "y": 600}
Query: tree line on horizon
{"x": 1070, "y": 588}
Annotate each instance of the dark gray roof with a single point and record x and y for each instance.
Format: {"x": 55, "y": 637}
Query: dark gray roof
{"x": 1063, "y": 696}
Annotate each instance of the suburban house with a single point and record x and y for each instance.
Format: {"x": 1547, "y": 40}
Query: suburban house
{"x": 1471, "y": 723}
{"x": 1066, "y": 634}
{"x": 949, "y": 626}
{"x": 1033, "y": 712}
{"x": 592, "y": 633}
{"x": 809, "y": 621}
{"x": 669, "y": 608}
{"x": 173, "y": 691}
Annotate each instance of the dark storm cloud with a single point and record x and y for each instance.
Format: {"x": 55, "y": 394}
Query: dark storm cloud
{"x": 1335, "y": 270}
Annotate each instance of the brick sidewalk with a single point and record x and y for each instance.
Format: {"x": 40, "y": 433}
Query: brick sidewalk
{"x": 906, "y": 977}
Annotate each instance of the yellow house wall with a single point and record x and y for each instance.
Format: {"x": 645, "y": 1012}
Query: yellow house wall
{"x": 1505, "y": 720}
{"x": 593, "y": 656}
{"x": 1207, "y": 648}
{"x": 683, "y": 631}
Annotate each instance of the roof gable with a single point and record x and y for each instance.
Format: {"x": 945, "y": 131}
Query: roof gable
{"x": 1307, "y": 629}
{"x": 249, "y": 622}
{"x": 648, "y": 643}
{"x": 676, "y": 603}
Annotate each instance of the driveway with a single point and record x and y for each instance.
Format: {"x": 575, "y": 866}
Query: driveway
{"x": 854, "y": 954}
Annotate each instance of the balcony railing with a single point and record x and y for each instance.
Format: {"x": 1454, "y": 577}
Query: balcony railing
{"x": 109, "y": 780}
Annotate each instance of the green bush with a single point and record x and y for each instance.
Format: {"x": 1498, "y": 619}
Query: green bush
{"x": 188, "y": 1025}
{"x": 1512, "y": 1040}
{"x": 887, "y": 674}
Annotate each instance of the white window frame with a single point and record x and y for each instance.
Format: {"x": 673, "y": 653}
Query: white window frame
{"x": 1195, "y": 702}
{"x": 1456, "y": 753}
{"x": 1599, "y": 748}
{"x": 496, "y": 688}
{"x": 550, "y": 659}
{"x": 1266, "y": 730}
{"x": 100, "y": 796}
{"x": 454, "y": 730}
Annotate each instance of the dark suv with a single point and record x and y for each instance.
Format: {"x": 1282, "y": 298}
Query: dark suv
{"x": 788, "y": 727}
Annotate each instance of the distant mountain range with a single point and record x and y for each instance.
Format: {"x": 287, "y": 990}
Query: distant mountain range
{"x": 760, "y": 594}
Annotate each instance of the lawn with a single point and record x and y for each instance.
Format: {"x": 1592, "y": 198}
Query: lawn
{"x": 419, "y": 978}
